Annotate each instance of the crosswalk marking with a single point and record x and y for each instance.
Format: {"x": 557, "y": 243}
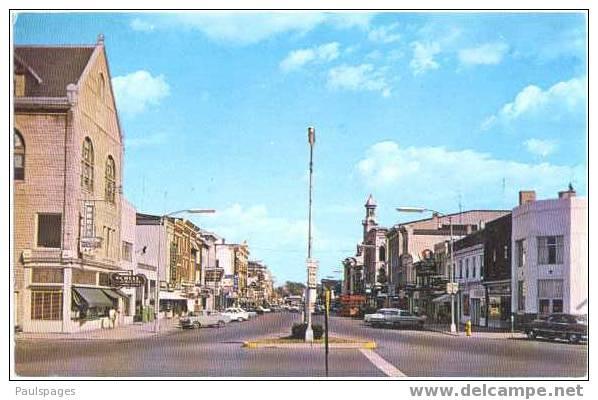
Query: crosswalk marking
{"x": 382, "y": 364}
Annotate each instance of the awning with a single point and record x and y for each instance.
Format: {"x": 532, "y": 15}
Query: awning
{"x": 442, "y": 299}
{"x": 114, "y": 294}
{"x": 171, "y": 296}
{"x": 94, "y": 297}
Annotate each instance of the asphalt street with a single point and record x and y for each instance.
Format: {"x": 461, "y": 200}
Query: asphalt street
{"x": 213, "y": 352}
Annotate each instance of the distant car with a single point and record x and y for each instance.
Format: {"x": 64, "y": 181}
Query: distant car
{"x": 294, "y": 309}
{"x": 203, "y": 318}
{"x": 252, "y": 313}
{"x": 236, "y": 314}
{"x": 394, "y": 317}
{"x": 573, "y": 328}
{"x": 263, "y": 310}
{"x": 319, "y": 309}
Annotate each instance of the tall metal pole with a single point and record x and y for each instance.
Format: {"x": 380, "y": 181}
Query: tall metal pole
{"x": 309, "y": 334}
{"x": 453, "y": 327}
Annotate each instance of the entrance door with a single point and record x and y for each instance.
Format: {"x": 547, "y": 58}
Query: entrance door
{"x": 475, "y": 311}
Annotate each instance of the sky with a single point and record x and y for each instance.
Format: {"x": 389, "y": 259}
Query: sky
{"x": 445, "y": 111}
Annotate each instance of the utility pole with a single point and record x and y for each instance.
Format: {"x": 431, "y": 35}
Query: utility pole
{"x": 311, "y": 264}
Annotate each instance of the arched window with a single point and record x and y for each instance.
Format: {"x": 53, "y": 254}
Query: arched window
{"x": 110, "y": 179}
{"x": 102, "y": 85}
{"x": 87, "y": 165}
{"x": 382, "y": 254}
{"x": 19, "y": 156}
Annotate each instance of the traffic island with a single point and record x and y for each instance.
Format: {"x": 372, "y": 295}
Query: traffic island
{"x": 292, "y": 343}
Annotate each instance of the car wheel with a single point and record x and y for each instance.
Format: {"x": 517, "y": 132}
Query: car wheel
{"x": 240, "y": 319}
{"x": 531, "y": 335}
{"x": 196, "y": 325}
{"x": 573, "y": 338}
{"x": 221, "y": 324}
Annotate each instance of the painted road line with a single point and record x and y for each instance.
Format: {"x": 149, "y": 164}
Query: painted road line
{"x": 382, "y": 364}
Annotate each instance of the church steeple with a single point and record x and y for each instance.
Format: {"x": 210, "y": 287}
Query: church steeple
{"x": 370, "y": 215}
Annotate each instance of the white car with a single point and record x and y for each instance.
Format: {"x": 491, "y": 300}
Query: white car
{"x": 262, "y": 310}
{"x": 236, "y": 314}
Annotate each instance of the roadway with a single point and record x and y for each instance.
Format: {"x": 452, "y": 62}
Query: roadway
{"x": 214, "y": 352}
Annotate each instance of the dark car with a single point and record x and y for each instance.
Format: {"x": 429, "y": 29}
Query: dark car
{"x": 573, "y": 328}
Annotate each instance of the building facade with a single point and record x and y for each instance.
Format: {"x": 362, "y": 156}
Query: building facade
{"x": 550, "y": 260}
{"x": 469, "y": 264}
{"x": 497, "y": 272}
{"x": 67, "y": 188}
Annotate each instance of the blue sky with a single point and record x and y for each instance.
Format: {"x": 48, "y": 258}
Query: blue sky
{"x": 421, "y": 109}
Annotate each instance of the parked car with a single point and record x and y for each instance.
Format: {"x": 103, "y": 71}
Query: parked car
{"x": 263, "y": 310}
{"x": 319, "y": 309}
{"x": 236, "y": 314}
{"x": 573, "y": 328}
{"x": 394, "y": 317}
{"x": 294, "y": 309}
{"x": 251, "y": 312}
{"x": 203, "y": 318}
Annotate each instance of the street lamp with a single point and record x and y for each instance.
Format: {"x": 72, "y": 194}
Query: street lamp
{"x": 452, "y": 266}
{"x": 311, "y": 264}
{"x": 170, "y": 214}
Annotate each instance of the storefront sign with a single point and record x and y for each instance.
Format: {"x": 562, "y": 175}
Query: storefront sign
{"x": 119, "y": 279}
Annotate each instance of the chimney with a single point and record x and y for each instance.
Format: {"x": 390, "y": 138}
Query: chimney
{"x": 71, "y": 93}
{"x": 100, "y": 41}
{"x": 526, "y": 196}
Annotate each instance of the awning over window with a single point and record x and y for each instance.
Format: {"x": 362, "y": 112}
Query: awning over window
{"x": 442, "y": 299}
{"x": 114, "y": 293}
{"x": 94, "y": 297}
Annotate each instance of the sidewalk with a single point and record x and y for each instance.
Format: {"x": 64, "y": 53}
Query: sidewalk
{"x": 476, "y": 331}
{"x": 136, "y": 330}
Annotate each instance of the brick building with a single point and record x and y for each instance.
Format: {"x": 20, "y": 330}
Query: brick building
{"x": 67, "y": 188}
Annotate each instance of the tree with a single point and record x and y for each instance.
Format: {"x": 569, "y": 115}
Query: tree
{"x": 291, "y": 289}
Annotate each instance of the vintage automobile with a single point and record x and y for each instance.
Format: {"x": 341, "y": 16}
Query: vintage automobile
{"x": 236, "y": 314}
{"x": 394, "y": 317}
{"x": 200, "y": 319}
{"x": 573, "y": 328}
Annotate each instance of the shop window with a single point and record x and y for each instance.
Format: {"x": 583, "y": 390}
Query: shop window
{"x": 84, "y": 277}
{"x": 87, "y": 159}
{"x": 104, "y": 279}
{"x": 466, "y": 305}
{"x": 382, "y": 254}
{"x": 19, "y": 156}
{"x": 47, "y": 275}
{"x": 46, "y": 305}
{"x": 49, "y": 229}
{"x": 550, "y": 250}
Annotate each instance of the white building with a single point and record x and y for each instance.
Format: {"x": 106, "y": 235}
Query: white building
{"x": 469, "y": 258}
{"x": 550, "y": 254}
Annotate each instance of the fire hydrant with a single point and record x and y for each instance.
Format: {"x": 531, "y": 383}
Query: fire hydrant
{"x": 468, "y": 328}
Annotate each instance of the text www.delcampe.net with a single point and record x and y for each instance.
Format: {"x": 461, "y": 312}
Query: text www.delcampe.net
{"x": 485, "y": 390}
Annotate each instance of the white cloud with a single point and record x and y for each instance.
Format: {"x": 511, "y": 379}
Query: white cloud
{"x": 364, "y": 77}
{"x": 423, "y": 57}
{"x": 298, "y": 58}
{"x": 248, "y": 28}
{"x": 486, "y": 54}
{"x": 138, "y": 90}
{"x": 540, "y": 147}
{"x": 384, "y": 34}
{"x": 433, "y": 174}
{"x": 140, "y": 25}
{"x": 562, "y": 97}
{"x": 254, "y": 224}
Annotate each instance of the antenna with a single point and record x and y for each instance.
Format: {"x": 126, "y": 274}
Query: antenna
{"x": 504, "y": 185}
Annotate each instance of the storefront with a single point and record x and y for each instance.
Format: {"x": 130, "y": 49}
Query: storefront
{"x": 473, "y": 304}
{"x": 498, "y": 304}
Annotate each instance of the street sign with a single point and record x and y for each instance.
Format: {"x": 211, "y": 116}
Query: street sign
{"x": 312, "y": 273}
{"x": 119, "y": 279}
